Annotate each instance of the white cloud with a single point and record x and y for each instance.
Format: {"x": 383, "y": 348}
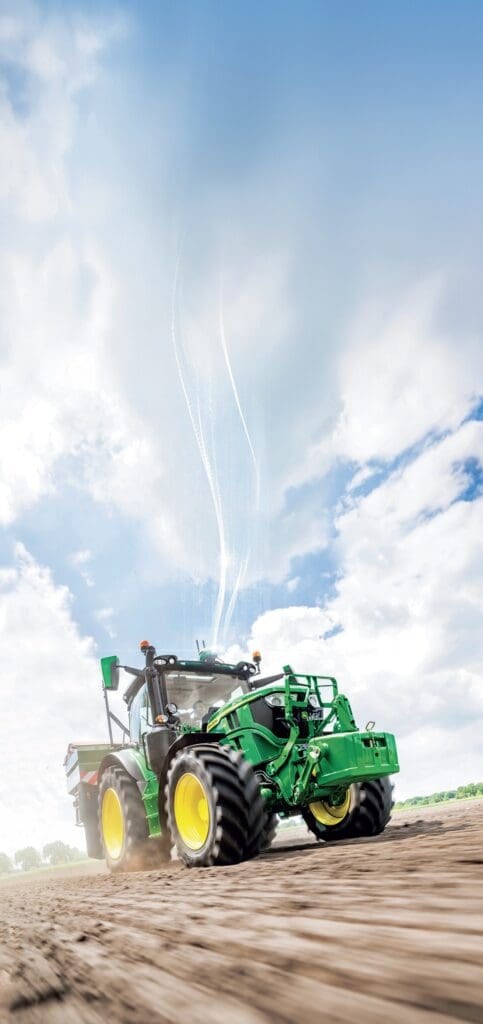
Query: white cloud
{"x": 105, "y": 617}
{"x": 292, "y": 584}
{"x": 56, "y": 292}
{"x": 56, "y": 397}
{"x": 81, "y": 557}
{"x": 51, "y": 695}
{"x": 400, "y": 378}
{"x": 80, "y": 560}
{"x": 64, "y": 414}
{"x": 89, "y": 380}
{"x": 69, "y": 405}
{"x": 54, "y": 64}
{"x": 427, "y": 485}
{"x": 407, "y": 613}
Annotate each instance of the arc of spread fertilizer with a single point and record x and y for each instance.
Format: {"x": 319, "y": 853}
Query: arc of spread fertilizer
{"x": 234, "y": 595}
{"x": 218, "y": 505}
{"x": 212, "y": 483}
{"x": 236, "y": 396}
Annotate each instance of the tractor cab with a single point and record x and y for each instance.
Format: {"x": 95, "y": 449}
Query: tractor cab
{"x": 171, "y": 697}
{"x": 194, "y": 696}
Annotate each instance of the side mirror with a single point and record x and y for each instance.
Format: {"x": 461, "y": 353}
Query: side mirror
{"x": 110, "y": 672}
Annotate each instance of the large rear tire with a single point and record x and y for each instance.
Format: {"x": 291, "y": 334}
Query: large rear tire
{"x": 366, "y": 813}
{"x": 123, "y": 826}
{"x": 213, "y": 806}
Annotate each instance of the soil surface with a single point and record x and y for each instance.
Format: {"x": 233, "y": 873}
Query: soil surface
{"x": 383, "y": 930}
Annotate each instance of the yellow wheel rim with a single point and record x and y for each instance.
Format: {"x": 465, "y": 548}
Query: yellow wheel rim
{"x": 331, "y": 814}
{"x": 191, "y": 811}
{"x": 112, "y": 824}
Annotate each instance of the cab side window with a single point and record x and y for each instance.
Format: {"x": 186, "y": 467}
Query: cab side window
{"x": 146, "y": 716}
{"x": 140, "y": 715}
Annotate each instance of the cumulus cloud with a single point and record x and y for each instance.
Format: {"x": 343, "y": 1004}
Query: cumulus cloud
{"x": 65, "y": 418}
{"x": 51, "y": 695}
{"x": 54, "y": 59}
{"x": 292, "y": 583}
{"x": 89, "y": 382}
{"x": 80, "y": 560}
{"x": 105, "y": 617}
{"x": 56, "y": 294}
{"x": 78, "y": 403}
{"x": 403, "y": 630}
{"x": 401, "y": 377}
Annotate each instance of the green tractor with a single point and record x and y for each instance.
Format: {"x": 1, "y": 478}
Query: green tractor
{"x": 215, "y": 753}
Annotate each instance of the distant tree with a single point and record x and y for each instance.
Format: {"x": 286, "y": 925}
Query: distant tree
{"x": 57, "y": 853}
{"x": 27, "y": 858}
{"x": 78, "y": 854}
{"x": 462, "y": 793}
{"x": 6, "y": 865}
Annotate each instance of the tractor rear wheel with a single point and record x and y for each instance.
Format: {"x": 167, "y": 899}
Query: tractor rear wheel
{"x": 123, "y": 826}
{"x": 365, "y": 811}
{"x": 213, "y": 806}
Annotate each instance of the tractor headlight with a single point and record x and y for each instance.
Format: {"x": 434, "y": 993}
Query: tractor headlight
{"x": 275, "y": 700}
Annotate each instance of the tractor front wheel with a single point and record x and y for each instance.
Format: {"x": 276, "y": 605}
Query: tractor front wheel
{"x": 213, "y": 806}
{"x": 365, "y": 811}
{"x": 266, "y": 836}
{"x": 123, "y": 826}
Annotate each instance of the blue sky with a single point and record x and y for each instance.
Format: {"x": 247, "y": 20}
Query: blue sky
{"x": 282, "y": 199}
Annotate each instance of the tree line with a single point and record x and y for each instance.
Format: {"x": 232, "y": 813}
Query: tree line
{"x": 53, "y": 855}
{"x": 461, "y": 793}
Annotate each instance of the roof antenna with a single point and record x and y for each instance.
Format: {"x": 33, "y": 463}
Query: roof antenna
{"x": 198, "y": 646}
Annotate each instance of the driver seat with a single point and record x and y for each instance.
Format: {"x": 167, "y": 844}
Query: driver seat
{"x": 209, "y": 714}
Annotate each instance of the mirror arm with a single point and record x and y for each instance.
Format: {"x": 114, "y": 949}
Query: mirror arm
{"x": 108, "y": 715}
{"x": 124, "y": 729}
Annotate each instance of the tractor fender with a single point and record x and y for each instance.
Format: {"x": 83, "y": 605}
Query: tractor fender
{"x": 189, "y": 739}
{"x": 129, "y": 759}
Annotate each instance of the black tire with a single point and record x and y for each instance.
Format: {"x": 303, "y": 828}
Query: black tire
{"x": 370, "y": 811}
{"x": 269, "y": 832}
{"x": 216, "y": 819}
{"x": 257, "y": 816}
{"x": 136, "y": 852}
{"x": 266, "y": 835}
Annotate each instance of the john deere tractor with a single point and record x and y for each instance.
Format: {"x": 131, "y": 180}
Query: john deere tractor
{"x": 215, "y": 753}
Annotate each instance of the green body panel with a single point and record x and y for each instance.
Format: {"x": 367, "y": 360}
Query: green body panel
{"x": 295, "y": 770}
{"x": 150, "y": 798}
{"x": 148, "y": 786}
{"x": 85, "y": 759}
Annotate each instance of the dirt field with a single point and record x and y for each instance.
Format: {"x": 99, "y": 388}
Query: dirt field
{"x": 383, "y": 930}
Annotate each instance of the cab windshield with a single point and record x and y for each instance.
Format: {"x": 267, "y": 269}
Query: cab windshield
{"x": 198, "y": 696}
